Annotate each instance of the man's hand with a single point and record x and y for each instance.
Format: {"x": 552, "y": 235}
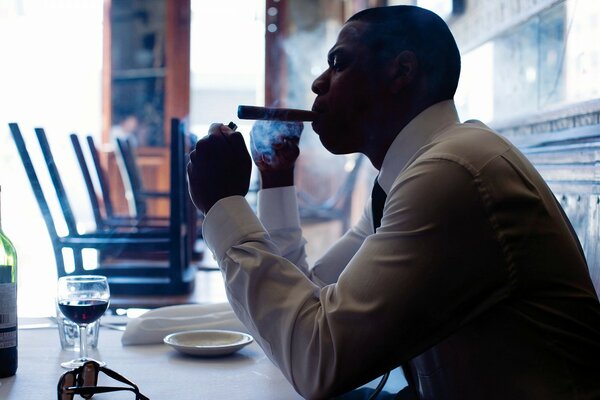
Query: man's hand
{"x": 219, "y": 167}
{"x": 275, "y": 150}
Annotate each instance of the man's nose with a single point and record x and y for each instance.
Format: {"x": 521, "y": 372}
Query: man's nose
{"x": 321, "y": 84}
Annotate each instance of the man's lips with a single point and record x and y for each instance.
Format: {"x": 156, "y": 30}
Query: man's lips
{"x": 315, "y": 126}
{"x": 318, "y": 107}
{"x": 320, "y": 110}
{"x": 316, "y": 123}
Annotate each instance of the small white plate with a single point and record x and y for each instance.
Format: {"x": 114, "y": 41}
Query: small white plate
{"x": 208, "y": 342}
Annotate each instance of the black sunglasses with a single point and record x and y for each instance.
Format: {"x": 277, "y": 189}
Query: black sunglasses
{"x": 83, "y": 380}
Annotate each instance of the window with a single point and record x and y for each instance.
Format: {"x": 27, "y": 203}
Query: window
{"x": 548, "y": 62}
{"x": 50, "y": 76}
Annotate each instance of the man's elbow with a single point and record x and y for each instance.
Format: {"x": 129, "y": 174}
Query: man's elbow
{"x": 314, "y": 387}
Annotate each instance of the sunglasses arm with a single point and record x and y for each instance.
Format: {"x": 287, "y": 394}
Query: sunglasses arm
{"x": 104, "y": 389}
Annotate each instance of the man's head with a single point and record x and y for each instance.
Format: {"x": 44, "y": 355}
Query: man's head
{"x": 388, "y": 64}
{"x": 391, "y": 30}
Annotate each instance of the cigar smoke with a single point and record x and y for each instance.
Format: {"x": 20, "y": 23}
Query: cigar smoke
{"x": 266, "y": 134}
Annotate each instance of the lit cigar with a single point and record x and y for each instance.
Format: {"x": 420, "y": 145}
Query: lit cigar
{"x": 275, "y": 114}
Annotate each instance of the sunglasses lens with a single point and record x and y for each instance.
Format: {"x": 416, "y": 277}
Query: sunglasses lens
{"x": 67, "y": 380}
{"x": 89, "y": 377}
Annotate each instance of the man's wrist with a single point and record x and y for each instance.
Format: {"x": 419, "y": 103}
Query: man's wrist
{"x": 277, "y": 179}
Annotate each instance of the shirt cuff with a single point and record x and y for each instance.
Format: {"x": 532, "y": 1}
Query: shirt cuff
{"x": 227, "y": 222}
{"x": 278, "y": 208}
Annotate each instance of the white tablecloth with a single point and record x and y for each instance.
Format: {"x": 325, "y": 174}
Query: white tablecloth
{"x": 159, "y": 371}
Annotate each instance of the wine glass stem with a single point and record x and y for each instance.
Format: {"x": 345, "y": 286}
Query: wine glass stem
{"x": 83, "y": 341}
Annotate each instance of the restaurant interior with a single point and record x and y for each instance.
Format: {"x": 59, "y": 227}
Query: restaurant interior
{"x": 131, "y": 83}
{"x": 132, "y": 66}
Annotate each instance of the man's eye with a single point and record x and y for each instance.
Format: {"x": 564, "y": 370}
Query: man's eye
{"x": 337, "y": 63}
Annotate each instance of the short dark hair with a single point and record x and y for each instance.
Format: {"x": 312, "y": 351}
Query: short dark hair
{"x": 396, "y": 28}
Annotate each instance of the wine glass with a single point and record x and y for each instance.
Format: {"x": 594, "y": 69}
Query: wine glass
{"x": 82, "y": 299}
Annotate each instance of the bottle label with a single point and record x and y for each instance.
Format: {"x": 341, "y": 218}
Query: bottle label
{"x": 8, "y": 339}
{"x": 8, "y": 315}
{"x": 8, "y": 305}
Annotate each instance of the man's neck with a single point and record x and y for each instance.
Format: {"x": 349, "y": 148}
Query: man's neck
{"x": 391, "y": 123}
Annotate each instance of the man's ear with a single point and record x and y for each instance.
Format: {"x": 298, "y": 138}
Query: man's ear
{"x": 405, "y": 67}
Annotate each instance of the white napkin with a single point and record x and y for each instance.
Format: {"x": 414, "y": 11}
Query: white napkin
{"x": 152, "y": 326}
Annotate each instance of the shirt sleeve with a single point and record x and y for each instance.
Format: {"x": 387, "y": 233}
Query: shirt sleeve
{"x": 408, "y": 286}
{"x": 278, "y": 212}
{"x": 328, "y": 268}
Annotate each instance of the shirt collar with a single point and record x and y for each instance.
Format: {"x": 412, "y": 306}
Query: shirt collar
{"x": 417, "y": 133}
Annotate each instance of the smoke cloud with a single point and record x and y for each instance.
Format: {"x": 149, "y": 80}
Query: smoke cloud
{"x": 267, "y": 135}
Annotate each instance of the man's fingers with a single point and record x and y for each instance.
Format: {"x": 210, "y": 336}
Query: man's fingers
{"x": 238, "y": 143}
{"x": 290, "y": 151}
{"x": 218, "y": 145}
{"x": 212, "y": 140}
{"x": 214, "y": 129}
{"x": 192, "y": 156}
{"x": 190, "y": 172}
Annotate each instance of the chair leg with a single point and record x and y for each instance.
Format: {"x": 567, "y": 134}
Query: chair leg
{"x": 78, "y": 261}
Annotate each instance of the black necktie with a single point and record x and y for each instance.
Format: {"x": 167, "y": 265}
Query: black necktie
{"x": 378, "y": 197}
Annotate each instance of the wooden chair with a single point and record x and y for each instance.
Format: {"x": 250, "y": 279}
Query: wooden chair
{"x": 135, "y": 277}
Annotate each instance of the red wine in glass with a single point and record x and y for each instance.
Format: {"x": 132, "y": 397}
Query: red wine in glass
{"x": 83, "y": 311}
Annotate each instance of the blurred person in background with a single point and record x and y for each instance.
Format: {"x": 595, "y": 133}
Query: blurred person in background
{"x": 126, "y": 128}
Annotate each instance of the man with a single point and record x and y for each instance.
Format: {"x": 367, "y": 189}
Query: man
{"x": 469, "y": 276}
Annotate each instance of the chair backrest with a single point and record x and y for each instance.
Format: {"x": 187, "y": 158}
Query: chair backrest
{"x": 131, "y": 177}
{"x": 178, "y": 203}
{"x": 59, "y": 188}
{"x": 87, "y": 178}
{"x": 38, "y": 193}
{"x": 192, "y": 216}
{"x": 102, "y": 178}
{"x": 63, "y": 200}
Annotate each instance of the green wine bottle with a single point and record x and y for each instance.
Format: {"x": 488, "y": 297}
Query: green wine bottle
{"x": 8, "y": 306}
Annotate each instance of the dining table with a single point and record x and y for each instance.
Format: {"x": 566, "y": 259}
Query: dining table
{"x": 158, "y": 370}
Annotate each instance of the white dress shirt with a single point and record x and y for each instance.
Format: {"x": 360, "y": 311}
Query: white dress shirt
{"x": 447, "y": 251}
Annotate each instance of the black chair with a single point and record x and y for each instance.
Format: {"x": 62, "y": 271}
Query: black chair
{"x": 338, "y": 207}
{"x": 142, "y": 221}
{"x": 136, "y": 277}
{"x": 104, "y": 186}
{"x": 105, "y": 217}
{"x": 137, "y": 196}
{"x": 100, "y": 199}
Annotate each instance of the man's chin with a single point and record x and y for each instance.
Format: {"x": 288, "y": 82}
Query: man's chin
{"x": 330, "y": 137}
{"x": 333, "y": 148}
